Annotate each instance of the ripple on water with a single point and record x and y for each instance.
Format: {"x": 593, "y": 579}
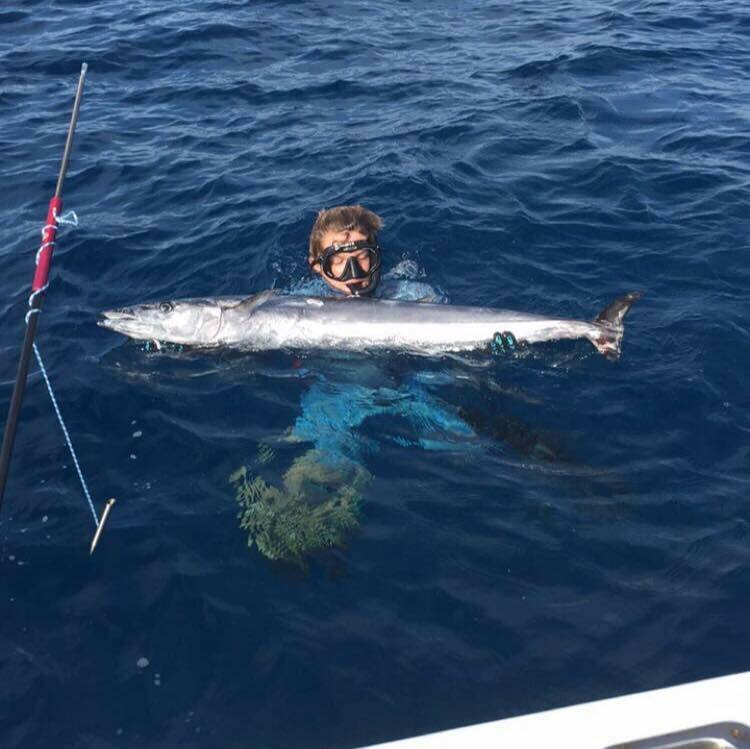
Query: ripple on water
{"x": 584, "y": 535}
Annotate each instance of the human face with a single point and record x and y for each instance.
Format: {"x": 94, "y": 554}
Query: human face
{"x": 339, "y": 261}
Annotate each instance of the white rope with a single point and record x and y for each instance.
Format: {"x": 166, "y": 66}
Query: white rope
{"x": 65, "y": 432}
{"x": 69, "y": 218}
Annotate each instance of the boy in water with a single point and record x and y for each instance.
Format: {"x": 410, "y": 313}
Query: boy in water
{"x": 345, "y": 253}
{"x": 345, "y": 256}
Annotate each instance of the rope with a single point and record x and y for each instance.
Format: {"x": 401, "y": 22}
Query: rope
{"x": 65, "y": 432}
{"x": 67, "y": 219}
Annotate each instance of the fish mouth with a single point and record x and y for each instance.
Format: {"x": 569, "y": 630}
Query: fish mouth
{"x": 112, "y": 317}
{"x": 123, "y": 321}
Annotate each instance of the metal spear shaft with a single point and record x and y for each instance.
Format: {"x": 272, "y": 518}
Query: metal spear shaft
{"x": 38, "y": 287}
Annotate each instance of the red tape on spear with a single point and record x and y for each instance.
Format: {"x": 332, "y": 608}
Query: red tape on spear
{"x": 44, "y": 255}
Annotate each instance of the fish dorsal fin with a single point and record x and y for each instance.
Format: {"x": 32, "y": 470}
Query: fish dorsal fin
{"x": 254, "y": 300}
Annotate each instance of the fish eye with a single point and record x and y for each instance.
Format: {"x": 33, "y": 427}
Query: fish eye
{"x": 166, "y": 307}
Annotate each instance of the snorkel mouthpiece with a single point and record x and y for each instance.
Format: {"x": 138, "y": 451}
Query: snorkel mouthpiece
{"x": 366, "y": 289}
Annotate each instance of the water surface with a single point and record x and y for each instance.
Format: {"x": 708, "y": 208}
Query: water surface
{"x": 543, "y": 156}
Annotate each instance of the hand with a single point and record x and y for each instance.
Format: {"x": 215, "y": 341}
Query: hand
{"x": 503, "y": 343}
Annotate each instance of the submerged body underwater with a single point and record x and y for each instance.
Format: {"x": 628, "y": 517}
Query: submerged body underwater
{"x": 316, "y": 504}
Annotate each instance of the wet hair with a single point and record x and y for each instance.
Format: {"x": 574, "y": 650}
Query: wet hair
{"x": 342, "y": 218}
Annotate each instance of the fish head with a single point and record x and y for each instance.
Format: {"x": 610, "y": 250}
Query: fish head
{"x": 190, "y": 322}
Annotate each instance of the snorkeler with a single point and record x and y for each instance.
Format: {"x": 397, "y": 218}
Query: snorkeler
{"x": 287, "y": 520}
{"x": 346, "y": 258}
{"x": 344, "y": 249}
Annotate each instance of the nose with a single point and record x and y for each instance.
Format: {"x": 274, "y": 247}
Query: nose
{"x": 353, "y": 271}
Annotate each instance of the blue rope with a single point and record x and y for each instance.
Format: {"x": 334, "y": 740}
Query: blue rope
{"x": 65, "y": 432}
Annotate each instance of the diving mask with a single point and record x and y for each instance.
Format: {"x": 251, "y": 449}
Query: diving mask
{"x": 353, "y": 261}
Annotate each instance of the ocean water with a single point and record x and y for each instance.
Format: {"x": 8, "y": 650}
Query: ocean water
{"x": 537, "y": 530}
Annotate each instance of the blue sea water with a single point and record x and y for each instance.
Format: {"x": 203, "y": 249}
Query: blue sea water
{"x": 543, "y": 156}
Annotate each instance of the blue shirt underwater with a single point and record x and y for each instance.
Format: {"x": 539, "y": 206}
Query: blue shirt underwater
{"x": 351, "y": 390}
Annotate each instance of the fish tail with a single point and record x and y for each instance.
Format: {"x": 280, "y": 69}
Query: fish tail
{"x": 609, "y": 325}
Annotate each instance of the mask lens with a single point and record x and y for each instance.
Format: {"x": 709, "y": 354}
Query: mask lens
{"x": 351, "y": 261}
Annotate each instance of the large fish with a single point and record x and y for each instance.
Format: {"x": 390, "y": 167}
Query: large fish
{"x": 270, "y": 320}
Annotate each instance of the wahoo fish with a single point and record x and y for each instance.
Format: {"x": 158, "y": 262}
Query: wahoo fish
{"x": 271, "y": 320}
